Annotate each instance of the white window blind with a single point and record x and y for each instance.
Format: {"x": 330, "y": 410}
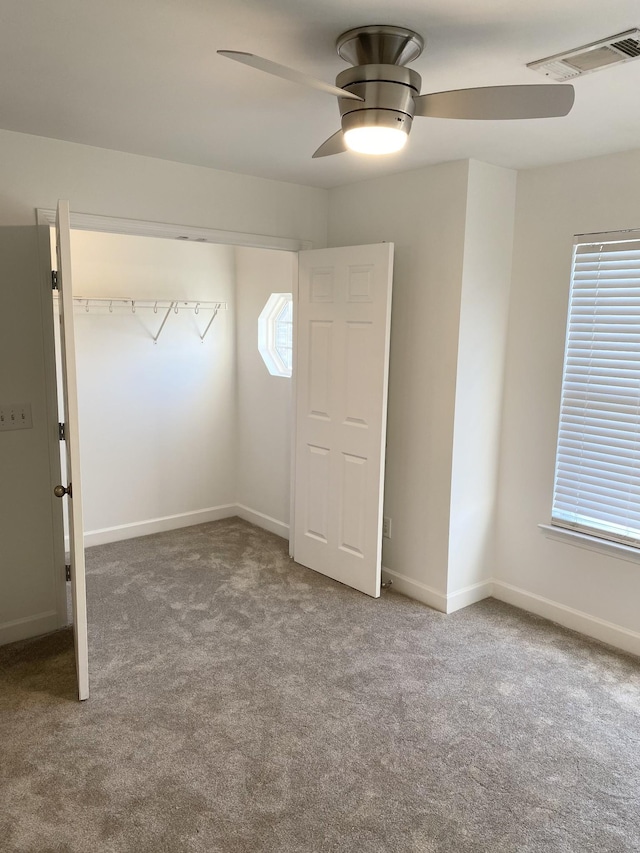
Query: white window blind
{"x": 597, "y": 482}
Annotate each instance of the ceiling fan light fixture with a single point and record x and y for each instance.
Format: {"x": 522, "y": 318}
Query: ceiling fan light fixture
{"x": 379, "y": 96}
{"x": 375, "y": 139}
{"x": 375, "y": 131}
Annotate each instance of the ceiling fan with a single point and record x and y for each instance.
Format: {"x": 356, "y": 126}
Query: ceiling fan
{"x": 378, "y": 97}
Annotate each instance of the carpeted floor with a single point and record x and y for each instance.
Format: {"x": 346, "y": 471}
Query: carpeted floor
{"x": 243, "y": 704}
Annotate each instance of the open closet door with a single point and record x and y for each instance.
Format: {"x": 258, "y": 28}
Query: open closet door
{"x": 72, "y": 490}
{"x": 342, "y": 365}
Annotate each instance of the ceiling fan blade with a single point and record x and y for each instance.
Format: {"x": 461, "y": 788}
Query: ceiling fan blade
{"x": 286, "y": 73}
{"x": 498, "y": 102}
{"x": 333, "y": 145}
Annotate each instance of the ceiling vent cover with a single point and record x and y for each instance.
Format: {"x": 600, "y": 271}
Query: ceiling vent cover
{"x": 623, "y": 47}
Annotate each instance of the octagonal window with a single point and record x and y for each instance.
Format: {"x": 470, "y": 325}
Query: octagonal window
{"x": 275, "y": 334}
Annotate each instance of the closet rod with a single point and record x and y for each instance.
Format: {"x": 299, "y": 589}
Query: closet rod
{"x": 128, "y": 302}
{"x": 166, "y": 305}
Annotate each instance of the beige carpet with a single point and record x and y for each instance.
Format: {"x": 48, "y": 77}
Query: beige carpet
{"x": 243, "y": 704}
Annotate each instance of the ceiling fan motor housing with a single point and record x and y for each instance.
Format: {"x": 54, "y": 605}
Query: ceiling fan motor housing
{"x": 388, "y": 92}
{"x": 379, "y": 54}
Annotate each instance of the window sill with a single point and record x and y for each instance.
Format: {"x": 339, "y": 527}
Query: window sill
{"x": 591, "y": 543}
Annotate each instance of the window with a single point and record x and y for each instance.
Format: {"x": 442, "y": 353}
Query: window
{"x": 597, "y": 481}
{"x": 275, "y": 334}
{"x": 283, "y": 334}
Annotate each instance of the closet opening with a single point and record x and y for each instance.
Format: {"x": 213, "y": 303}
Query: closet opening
{"x": 180, "y": 420}
{"x": 172, "y": 426}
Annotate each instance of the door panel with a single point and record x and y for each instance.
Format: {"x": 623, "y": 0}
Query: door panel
{"x": 317, "y": 505}
{"x": 74, "y": 495}
{"x": 319, "y": 369}
{"x": 344, "y": 314}
{"x": 352, "y": 504}
{"x": 360, "y": 345}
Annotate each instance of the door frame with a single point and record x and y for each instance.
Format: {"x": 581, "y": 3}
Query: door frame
{"x": 46, "y": 218}
{"x": 146, "y": 228}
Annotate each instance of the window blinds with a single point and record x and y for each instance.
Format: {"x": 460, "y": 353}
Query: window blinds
{"x": 597, "y": 482}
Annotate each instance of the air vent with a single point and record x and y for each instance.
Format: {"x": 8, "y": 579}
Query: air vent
{"x": 623, "y": 47}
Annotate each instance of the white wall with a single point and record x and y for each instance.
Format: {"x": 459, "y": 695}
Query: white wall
{"x": 553, "y": 204}
{"x": 452, "y": 226}
{"x": 36, "y": 172}
{"x": 157, "y": 421}
{"x": 424, "y": 214}
{"x": 264, "y": 401}
{"x": 484, "y": 308}
{"x": 182, "y": 431}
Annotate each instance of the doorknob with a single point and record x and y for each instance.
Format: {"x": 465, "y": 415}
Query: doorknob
{"x": 60, "y": 491}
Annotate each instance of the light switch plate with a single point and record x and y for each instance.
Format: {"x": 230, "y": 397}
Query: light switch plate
{"x": 15, "y": 416}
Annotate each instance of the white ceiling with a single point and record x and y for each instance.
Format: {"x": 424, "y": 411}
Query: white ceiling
{"x": 143, "y": 76}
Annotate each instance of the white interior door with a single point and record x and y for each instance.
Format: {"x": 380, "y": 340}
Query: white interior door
{"x": 72, "y": 489}
{"x": 342, "y": 365}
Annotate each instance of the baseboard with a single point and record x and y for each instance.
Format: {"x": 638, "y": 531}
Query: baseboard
{"x": 468, "y": 595}
{"x": 427, "y": 595}
{"x": 415, "y": 589}
{"x": 262, "y": 520}
{"x": 158, "y": 525}
{"x": 30, "y": 626}
{"x": 584, "y": 623}
{"x": 184, "y": 519}
{"x": 576, "y": 620}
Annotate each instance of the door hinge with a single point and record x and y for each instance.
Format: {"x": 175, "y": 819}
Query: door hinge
{"x": 62, "y": 432}
{"x": 67, "y": 572}
{"x": 54, "y": 280}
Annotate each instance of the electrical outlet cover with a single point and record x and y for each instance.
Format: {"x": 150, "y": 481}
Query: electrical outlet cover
{"x": 15, "y": 416}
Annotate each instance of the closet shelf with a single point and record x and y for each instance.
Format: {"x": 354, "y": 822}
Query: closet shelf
{"x": 157, "y": 306}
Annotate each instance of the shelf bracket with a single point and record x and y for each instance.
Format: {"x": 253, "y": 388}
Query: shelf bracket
{"x": 213, "y": 317}
{"x": 165, "y": 318}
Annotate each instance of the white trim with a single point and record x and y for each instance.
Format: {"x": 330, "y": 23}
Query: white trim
{"x": 293, "y": 415}
{"x": 143, "y": 228}
{"x": 576, "y": 620}
{"x": 591, "y": 543}
{"x": 157, "y": 525}
{"x": 267, "y": 522}
{"x": 427, "y": 595}
{"x": 469, "y": 595}
{"x": 134, "y": 529}
{"x": 416, "y": 590}
{"x": 267, "y": 334}
{"x": 611, "y": 236}
{"x": 28, "y": 627}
